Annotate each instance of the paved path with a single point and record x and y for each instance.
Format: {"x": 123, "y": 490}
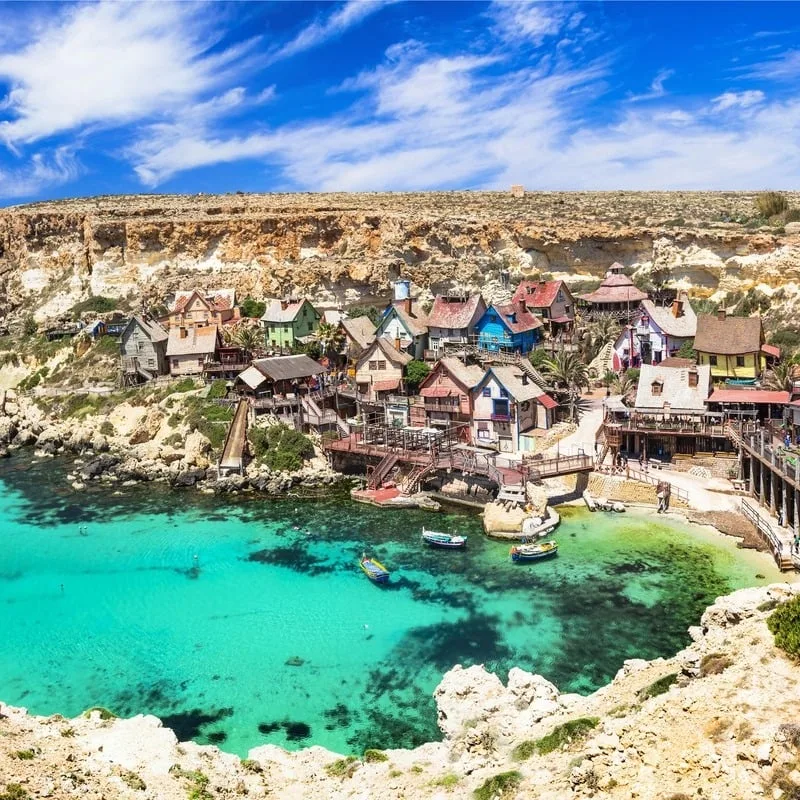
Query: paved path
{"x": 583, "y": 437}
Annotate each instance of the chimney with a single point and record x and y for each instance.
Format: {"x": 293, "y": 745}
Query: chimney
{"x": 521, "y": 307}
{"x": 524, "y": 378}
{"x": 398, "y": 344}
{"x": 542, "y": 282}
{"x": 721, "y": 313}
{"x": 184, "y": 333}
{"x": 693, "y": 377}
{"x": 407, "y": 304}
{"x": 677, "y": 308}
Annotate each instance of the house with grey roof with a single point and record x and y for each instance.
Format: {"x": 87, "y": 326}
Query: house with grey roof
{"x": 281, "y": 375}
{"x": 405, "y": 325}
{"x": 143, "y": 350}
{"x": 287, "y": 321}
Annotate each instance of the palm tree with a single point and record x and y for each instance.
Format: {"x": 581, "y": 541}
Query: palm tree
{"x": 569, "y": 376}
{"x": 600, "y": 332}
{"x": 248, "y": 337}
{"x": 781, "y": 377}
{"x": 330, "y": 337}
{"x": 626, "y": 386}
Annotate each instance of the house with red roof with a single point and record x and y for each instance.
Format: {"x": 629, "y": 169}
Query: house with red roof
{"x": 550, "y": 300}
{"x": 196, "y": 308}
{"x": 452, "y": 320}
{"x": 510, "y": 328}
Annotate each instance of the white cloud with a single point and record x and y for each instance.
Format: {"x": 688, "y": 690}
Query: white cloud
{"x": 109, "y": 63}
{"x": 656, "y": 87}
{"x": 350, "y": 13}
{"x": 527, "y": 20}
{"x": 43, "y": 170}
{"x": 786, "y": 67}
{"x": 737, "y": 100}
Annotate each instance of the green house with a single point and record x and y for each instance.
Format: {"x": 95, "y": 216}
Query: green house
{"x": 287, "y": 321}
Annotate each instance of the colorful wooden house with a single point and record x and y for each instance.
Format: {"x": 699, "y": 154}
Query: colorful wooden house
{"x": 405, "y": 325}
{"x": 190, "y": 349}
{"x": 286, "y": 322}
{"x": 379, "y": 371}
{"x": 550, "y": 300}
{"x": 143, "y": 347}
{"x": 452, "y": 320}
{"x": 616, "y": 296}
{"x": 508, "y": 328}
{"x": 510, "y": 410}
{"x": 446, "y": 396}
{"x": 731, "y": 346}
{"x": 195, "y": 308}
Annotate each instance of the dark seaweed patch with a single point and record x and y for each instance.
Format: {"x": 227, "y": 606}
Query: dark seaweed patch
{"x": 268, "y": 727}
{"x": 188, "y": 724}
{"x": 217, "y": 737}
{"x": 296, "y": 731}
{"x": 338, "y": 717}
{"x": 294, "y": 558}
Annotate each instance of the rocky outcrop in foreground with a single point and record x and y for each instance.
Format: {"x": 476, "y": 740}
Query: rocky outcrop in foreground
{"x": 719, "y": 720}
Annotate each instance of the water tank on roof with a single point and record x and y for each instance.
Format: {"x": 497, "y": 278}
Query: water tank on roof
{"x": 402, "y": 289}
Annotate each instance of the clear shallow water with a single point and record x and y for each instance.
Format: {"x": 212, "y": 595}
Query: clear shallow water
{"x": 140, "y": 626}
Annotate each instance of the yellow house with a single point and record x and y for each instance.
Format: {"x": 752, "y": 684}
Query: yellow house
{"x": 731, "y": 346}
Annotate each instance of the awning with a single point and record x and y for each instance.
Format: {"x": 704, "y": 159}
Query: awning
{"x": 252, "y": 377}
{"x": 385, "y": 386}
{"x": 547, "y": 401}
{"x": 562, "y": 319}
{"x": 749, "y": 396}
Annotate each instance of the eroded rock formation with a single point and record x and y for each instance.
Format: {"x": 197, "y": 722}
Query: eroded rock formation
{"x": 348, "y": 247}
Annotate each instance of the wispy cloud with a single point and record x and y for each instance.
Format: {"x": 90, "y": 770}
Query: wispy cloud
{"x": 785, "y": 67}
{"x": 657, "y": 89}
{"x": 321, "y": 30}
{"x": 41, "y": 171}
{"x": 110, "y": 63}
{"x": 530, "y": 21}
{"x": 746, "y": 99}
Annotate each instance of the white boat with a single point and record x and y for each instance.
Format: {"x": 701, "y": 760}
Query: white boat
{"x": 437, "y": 539}
{"x": 533, "y": 552}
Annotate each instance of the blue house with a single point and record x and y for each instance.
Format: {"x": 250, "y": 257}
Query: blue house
{"x": 510, "y": 328}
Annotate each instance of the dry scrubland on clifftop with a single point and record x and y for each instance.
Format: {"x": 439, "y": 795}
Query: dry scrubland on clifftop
{"x": 348, "y": 247}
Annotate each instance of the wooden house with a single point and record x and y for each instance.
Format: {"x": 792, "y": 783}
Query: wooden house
{"x": 446, "y": 395}
{"x": 280, "y": 376}
{"x": 405, "y": 325}
{"x": 190, "y": 349}
{"x": 655, "y": 333}
{"x": 359, "y": 333}
{"x": 452, "y": 320}
{"x": 508, "y": 328}
{"x": 285, "y": 322}
{"x": 550, "y": 300}
{"x": 143, "y": 349}
{"x": 731, "y": 346}
{"x": 379, "y": 371}
{"x": 195, "y": 308}
{"x": 510, "y": 410}
{"x": 616, "y": 296}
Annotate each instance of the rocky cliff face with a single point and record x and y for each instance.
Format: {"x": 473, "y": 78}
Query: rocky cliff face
{"x": 349, "y": 247}
{"x": 719, "y": 720}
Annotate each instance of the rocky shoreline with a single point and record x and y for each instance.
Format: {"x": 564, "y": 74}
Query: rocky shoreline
{"x": 718, "y": 720}
{"x": 141, "y": 448}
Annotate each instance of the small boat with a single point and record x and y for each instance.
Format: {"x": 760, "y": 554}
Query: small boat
{"x": 436, "y": 539}
{"x": 374, "y": 570}
{"x": 533, "y": 552}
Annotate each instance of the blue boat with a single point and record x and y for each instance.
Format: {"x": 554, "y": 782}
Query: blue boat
{"x": 533, "y": 552}
{"x": 374, "y": 570}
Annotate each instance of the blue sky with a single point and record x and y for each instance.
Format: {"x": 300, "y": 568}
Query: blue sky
{"x": 102, "y": 98}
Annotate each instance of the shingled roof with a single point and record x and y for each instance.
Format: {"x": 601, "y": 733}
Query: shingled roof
{"x": 539, "y": 294}
{"x": 455, "y": 312}
{"x": 360, "y": 329}
{"x": 672, "y": 388}
{"x": 683, "y": 326}
{"x": 280, "y": 311}
{"x": 615, "y": 288}
{"x": 728, "y": 335}
{"x": 198, "y": 340}
{"x": 416, "y": 322}
{"x": 155, "y": 332}
{"x": 515, "y": 319}
{"x": 288, "y": 368}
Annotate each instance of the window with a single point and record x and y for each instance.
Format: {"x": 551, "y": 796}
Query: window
{"x": 712, "y": 360}
{"x": 560, "y": 296}
{"x": 525, "y": 405}
{"x": 566, "y": 309}
{"x": 545, "y": 313}
{"x": 381, "y": 365}
{"x": 503, "y": 392}
{"x": 373, "y": 365}
{"x": 175, "y": 363}
{"x": 151, "y": 362}
{"x": 501, "y": 408}
{"x": 739, "y": 361}
{"x": 656, "y": 387}
{"x": 529, "y": 290}
{"x": 139, "y": 347}
{"x": 487, "y": 392}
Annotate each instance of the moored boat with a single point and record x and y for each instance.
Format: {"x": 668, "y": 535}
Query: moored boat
{"x": 533, "y": 552}
{"x": 374, "y": 570}
{"x": 437, "y": 539}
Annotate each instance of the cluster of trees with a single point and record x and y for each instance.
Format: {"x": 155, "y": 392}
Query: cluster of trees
{"x": 280, "y": 447}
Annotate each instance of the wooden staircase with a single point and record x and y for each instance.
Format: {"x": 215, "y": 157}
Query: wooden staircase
{"x": 380, "y": 472}
{"x": 413, "y": 480}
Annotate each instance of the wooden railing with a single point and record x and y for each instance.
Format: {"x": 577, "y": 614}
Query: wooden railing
{"x": 644, "y": 477}
{"x": 765, "y": 529}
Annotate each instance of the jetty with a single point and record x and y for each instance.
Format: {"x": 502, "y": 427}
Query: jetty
{"x": 232, "y": 459}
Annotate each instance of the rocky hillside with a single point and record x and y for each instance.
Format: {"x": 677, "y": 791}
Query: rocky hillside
{"x": 348, "y": 247}
{"x": 719, "y": 720}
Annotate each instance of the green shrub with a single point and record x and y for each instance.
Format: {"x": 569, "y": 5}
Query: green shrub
{"x": 372, "y": 313}
{"x": 104, "y": 712}
{"x": 499, "y": 786}
{"x": 686, "y": 350}
{"x": 768, "y": 204}
{"x": 524, "y": 750}
{"x": 714, "y": 664}
{"x": 217, "y": 389}
{"x": 416, "y": 372}
{"x": 68, "y": 733}
{"x": 107, "y": 429}
{"x": 186, "y": 385}
{"x": 658, "y": 687}
{"x": 132, "y": 780}
{"x": 784, "y": 623}
{"x": 14, "y": 791}
{"x": 97, "y": 304}
{"x": 251, "y": 766}
{"x": 374, "y": 756}
{"x": 538, "y": 356}
{"x": 343, "y": 768}
{"x": 281, "y": 448}
{"x": 252, "y": 308}
{"x": 565, "y": 734}
{"x": 24, "y": 755}
{"x": 29, "y": 326}
{"x": 768, "y": 605}
{"x": 448, "y": 781}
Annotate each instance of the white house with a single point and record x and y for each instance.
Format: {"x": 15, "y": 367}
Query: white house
{"x": 508, "y": 407}
{"x": 655, "y": 333}
{"x": 406, "y": 324}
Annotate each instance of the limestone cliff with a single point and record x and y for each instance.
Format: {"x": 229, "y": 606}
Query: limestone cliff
{"x": 348, "y": 247}
{"x": 719, "y": 720}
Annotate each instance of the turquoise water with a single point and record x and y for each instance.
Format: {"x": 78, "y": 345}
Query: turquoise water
{"x": 273, "y": 634}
